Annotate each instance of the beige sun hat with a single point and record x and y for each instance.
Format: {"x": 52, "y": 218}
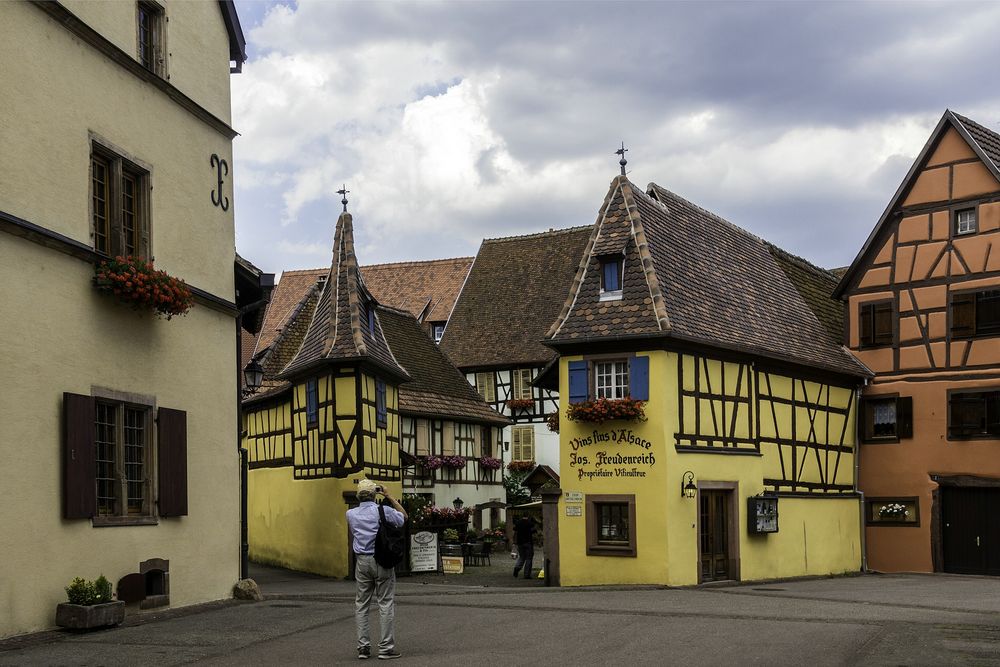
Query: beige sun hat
{"x": 365, "y": 485}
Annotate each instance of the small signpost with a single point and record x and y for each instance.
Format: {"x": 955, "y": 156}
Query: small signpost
{"x": 423, "y": 551}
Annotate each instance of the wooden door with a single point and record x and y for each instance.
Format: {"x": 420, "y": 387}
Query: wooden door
{"x": 970, "y": 518}
{"x": 714, "y": 535}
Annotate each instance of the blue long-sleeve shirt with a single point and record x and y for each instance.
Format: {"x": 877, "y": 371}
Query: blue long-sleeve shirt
{"x": 363, "y": 523}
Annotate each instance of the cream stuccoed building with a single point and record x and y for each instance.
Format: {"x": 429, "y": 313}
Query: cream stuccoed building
{"x": 119, "y": 428}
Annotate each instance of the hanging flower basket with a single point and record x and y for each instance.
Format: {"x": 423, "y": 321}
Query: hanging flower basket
{"x": 605, "y": 410}
{"x": 553, "y": 422}
{"x": 453, "y": 462}
{"x": 521, "y": 466}
{"x": 520, "y": 403}
{"x": 431, "y": 462}
{"x": 490, "y": 463}
{"x": 134, "y": 281}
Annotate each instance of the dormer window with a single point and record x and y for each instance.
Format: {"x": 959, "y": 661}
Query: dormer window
{"x": 371, "y": 318}
{"x": 611, "y": 278}
{"x": 438, "y": 331}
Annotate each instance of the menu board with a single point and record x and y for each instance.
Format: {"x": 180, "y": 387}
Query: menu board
{"x": 423, "y": 551}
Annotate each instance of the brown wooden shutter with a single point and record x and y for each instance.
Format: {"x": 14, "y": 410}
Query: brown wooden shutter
{"x": 904, "y": 417}
{"x": 171, "y": 459}
{"x": 79, "y": 466}
{"x": 865, "y": 331}
{"x": 882, "y": 324}
{"x": 963, "y": 314}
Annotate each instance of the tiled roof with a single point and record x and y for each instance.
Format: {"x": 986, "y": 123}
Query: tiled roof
{"x": 436, "y": 388}
{"x": 339, "y": 327}
{"x": 987, "y": 139}
{"x": 514, "y": 291}
{"x": 286, "y": 295}
{"x": 697, "y": 277}
{"x": 815, "y": 286}
{"x": 426, "y": 289}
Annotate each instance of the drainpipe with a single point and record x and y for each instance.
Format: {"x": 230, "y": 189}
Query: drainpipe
{"x": 857, "y": 479}
{"x": 244, "y": 546}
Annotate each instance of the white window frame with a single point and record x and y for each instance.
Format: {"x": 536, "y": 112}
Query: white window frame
{"x": 968, "y": 225}
{"x": 611, "y": 379}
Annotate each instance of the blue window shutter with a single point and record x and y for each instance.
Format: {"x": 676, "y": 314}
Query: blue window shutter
{"x": 579, "y": 389}
{"x": 639, "y": 378}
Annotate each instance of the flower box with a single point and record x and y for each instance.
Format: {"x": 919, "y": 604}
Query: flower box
{"x": 431, "y": 462}
{"x": 490, "y": 463}
{"x": 453, "y": 462}
{"x": 521, "y": 466}
{"x": 520, "y": 403}
{"x": 606, "y": 409}
{"x": 135, "y": 282}
{"x": 88, "y": 617}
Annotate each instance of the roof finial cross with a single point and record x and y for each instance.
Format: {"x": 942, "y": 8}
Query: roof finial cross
{"x": 343, "y": 192}
{"x": 621, "y": 151}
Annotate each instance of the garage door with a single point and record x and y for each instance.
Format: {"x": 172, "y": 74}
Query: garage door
{"x": 971, "y": 530}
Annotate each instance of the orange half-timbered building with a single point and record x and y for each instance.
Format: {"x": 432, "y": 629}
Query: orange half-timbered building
{"x": 923, "y": 313}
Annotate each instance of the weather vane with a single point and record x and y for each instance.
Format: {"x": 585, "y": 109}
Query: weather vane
{"x": 621, "y": 151}
{"x": 343, "y": 192}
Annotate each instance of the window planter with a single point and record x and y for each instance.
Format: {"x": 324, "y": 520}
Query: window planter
{"x": 521, "y": 466}
{"x": 89, "y": 617}
{"x": 453, "y": 462}
{"x": 135, "y": 282}
{"x": 490, "y": 463}
{"x": 431, "y": 462}
{"x": 606, "y": 409}
{"x": 520, "y": 403}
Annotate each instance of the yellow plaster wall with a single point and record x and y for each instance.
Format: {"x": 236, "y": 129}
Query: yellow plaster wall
{"x": 67, "y": 337}
{"x": 44, "y": 177}
{"x": 194, "y": 31}
{"x": 816, "y": 535}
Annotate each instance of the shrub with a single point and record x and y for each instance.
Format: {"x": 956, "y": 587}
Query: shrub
{"x": 450, "y": 535}
{"x": 87, "y": 593}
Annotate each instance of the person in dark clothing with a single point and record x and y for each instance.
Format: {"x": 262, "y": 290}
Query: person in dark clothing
{"x": 524, "y": 533}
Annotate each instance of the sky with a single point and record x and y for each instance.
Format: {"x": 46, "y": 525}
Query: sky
{"x": 450, "y": 122}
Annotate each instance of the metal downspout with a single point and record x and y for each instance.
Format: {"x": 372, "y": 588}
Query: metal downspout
{"x": 857, "y": 479}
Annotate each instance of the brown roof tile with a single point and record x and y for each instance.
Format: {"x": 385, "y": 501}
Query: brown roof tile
{"x": 436, "y": 387}
{"x": 720, "y": 286}
{"x": 427, "y": 290}
{"x": 514, "y": 291}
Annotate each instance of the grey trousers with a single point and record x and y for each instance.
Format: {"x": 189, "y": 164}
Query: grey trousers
{"x": 374, "y": 579}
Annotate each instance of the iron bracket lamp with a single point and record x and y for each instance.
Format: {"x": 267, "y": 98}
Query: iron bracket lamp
{"x": 457, "y": 502}
{"x": 253, "y": 377}
{"x": 688, "y": 489}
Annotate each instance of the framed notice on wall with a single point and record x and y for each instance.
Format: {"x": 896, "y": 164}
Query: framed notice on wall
{"x": 423, "y": 551}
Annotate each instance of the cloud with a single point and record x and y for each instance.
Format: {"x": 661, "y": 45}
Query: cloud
{"x": 450, "y": 122}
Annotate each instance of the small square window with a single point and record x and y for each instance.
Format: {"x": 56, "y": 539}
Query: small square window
{"x": 611, "y": 525}
{"x": 973, "y": 414}
{"x": 119, "y": 202}
{"x": 438, "y": 331}
{"x": 875, "y": 324}
{"x": 611, "y": 379}
{"x": 887, "y": 418}
{"x": 965, "y": 221}
{"x": 611, "y": 278}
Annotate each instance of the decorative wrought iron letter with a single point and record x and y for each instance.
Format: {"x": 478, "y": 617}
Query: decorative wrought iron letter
{"x": 222, "y": 170}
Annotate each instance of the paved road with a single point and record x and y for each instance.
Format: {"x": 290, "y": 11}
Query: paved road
{"x": 864, "y": 620}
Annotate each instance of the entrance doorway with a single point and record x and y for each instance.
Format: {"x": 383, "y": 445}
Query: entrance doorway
{"x": 717, "y": 539}
{"x": 970, "y": 539}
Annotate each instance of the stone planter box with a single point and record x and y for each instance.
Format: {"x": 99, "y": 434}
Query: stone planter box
{"x": 87, "y": 617}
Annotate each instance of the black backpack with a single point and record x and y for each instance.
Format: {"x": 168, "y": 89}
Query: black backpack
{"x": 390, "y": 542}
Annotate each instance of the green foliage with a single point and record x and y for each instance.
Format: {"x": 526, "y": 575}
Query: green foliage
{"x": 516, "y": 493}
{"x": 87, "y": 593}
{"x": 414, "y": 504}
{"x": 450, "y": 535}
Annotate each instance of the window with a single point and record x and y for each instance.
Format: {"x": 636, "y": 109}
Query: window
{"x": 611, "y": 379}
{"x": 875, "y": 320}
{"x": 122, "y": 446}
{"x": 892, "y": 511}
{"x": 115, "y": 469}
{"x": 149, "y": 20}
{"x": 380, "y": 409}
{"x": 119, "y": 192}
{"x": 887, "y": 418}
{"x": 408, "y": 435}
{"x": 486, "y": 437}
{"x": 974, "y": 414}
{"x": 611, "y": 525}
{"x": 975, "y": 313}
{"x": 465, "y": 440}
{"x": 369, "y": 316}
{"x": 521, "y": 380}
{"x": 438, "y": 331}
{"x": 486, "y": 386}
{"x": 611, "y": 278}
{"x": 965, "y": 221}
{"x": 312, "y": 403}
{"x": 522, "y": 443}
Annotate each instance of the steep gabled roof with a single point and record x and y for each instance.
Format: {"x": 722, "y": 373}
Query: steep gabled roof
{"x": 428, "y": 289}
{"x": 815, "y": 286}
{"x": 984, "y": 142}
{"x": 693, "y": 276}
{"x": 437, "y": 388}
{"x": 512, "y": 294}
{"x": 339, "y": 329}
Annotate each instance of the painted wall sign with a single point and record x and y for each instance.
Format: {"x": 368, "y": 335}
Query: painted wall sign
{"x": 591, "y": 458}
{"x": 574, "y": 510}
{"x": 452, "y": 564}
{"x": 423, "y": 551}
{"x": 222, "y": 170}
{"x": 573, "y": 496}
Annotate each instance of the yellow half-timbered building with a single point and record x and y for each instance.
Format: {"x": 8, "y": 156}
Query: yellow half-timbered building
{"x": 707, "y": 410}
{"x": 326, "y": 415}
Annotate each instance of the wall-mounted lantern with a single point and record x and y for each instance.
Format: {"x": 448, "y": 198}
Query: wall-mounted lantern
{"x": 253, "y": 376}
{"x": 457, "y": 502}
{"x": 688, "y": 489}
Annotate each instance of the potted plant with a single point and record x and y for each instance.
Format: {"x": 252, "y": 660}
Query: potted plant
{"x": 90, "y": 606}
{"x": 606, "y": 409}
